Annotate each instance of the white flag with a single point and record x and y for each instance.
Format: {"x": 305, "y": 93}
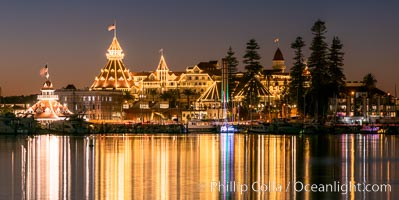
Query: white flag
{"x": 44, "y": 71}
{"x": 111, "y": 27}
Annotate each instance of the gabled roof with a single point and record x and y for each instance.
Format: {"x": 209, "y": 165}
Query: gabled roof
{"x": 162, "y": 64}
{"x": 251, "y": 83}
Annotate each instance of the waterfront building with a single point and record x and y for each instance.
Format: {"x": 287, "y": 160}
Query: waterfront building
{"x": 204, "y": 80}
{"x": 154, "y": 83}
{"x": 104, "y": 99}
{"x": 48, "y": 108}
{"x": 270, "y": 88}
{"x": 114, "y": 75}
{"x": 209, "y": 102}
{"x": 276, "y": 79}
{"x": 357, "y": 104}
{"x": 185, "y": 87}
{"x": 93, "y": 105}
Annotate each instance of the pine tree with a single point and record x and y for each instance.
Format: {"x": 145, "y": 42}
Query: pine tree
{"x": 318, "y": 65}
{"x": 232, "y": 64}
{"x": 296, "y": 89}
{"x": 251, "y": 58}
{"x": 336, "y": 58}
{"x": 369, "y": 83}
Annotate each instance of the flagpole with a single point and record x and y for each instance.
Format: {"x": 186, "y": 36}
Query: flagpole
{"x": 115, "y": 28}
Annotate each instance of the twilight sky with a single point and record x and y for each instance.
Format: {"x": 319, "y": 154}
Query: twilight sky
{"x": 71, "y": 36}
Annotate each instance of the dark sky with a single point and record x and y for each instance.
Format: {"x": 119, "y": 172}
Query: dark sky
{"x": 71, "y": 36}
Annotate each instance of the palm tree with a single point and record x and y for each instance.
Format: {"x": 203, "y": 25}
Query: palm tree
{"x": 170, "y": 95}
{"x": 153, "y": 93}
{"x": 127, "y": 97}
{"x": 188, "y": 93}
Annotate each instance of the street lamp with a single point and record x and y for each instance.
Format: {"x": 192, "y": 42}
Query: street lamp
{"x": 350, "y": 103}
{"x": 141, "y": 109}
{"x": 178, "y": 104}
{"x": 141, "y": 97}
{"x": 304, "y": 107}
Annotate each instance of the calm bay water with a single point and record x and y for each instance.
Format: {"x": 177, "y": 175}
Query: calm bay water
{"x": 199, "y": 166}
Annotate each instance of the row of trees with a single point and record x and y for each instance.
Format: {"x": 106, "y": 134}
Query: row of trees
{"x": 325, "y": 64}
{"x": 251, "y": 59}
{"x": 310, "y": 92}
{"x": 327, "y": 79}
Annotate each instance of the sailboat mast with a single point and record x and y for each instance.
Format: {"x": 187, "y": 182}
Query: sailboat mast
{"x": 225, "y": 87}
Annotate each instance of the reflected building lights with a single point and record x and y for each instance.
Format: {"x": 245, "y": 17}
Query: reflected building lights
{"x": 183, "y": 166}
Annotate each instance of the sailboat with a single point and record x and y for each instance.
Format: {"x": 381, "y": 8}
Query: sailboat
{"x": 226, "y": 126}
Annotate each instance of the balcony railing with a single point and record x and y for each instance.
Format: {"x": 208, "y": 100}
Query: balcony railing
{"x": 48, "y": 96}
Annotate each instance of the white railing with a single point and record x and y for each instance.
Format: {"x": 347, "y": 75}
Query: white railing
{"x": 48, "y": 96}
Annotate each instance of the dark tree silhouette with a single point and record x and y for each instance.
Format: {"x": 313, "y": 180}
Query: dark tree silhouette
{"x": 369, "y": 83}
{"x": 298, "y": 79}
{"x": 188, "y": 93}
{"x": 336, "y": 58}
{"x": 318, "y": 65}
{"x": 232, "y": 64}
{"x": 252, "y": 57}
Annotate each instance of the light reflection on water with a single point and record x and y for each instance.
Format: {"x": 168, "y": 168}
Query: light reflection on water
{"x": 194, "y": 166}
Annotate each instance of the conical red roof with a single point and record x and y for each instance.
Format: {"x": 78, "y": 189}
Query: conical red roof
{"x": 278, "y": 55}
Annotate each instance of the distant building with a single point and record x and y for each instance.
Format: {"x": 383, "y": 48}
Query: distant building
{"x": 278, "y": 62}
{"x": 149, "y": 87}
{"x": 357, "y": 104}
{"x": 48, "y": 108}
{"x": 92, "y": 104}
{"x": 104, "y": 99}
{"x": 114, "y": 75}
